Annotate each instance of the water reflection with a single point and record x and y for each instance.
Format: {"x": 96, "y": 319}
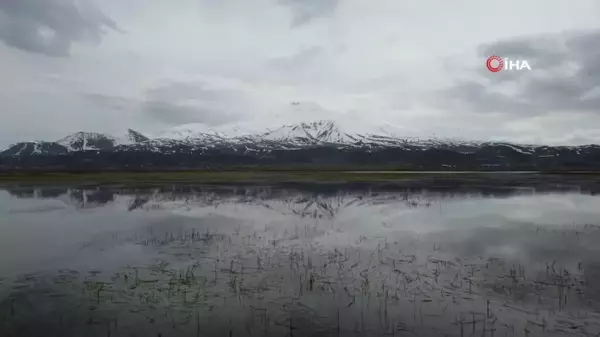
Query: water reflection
{"x": 316, "y": 260}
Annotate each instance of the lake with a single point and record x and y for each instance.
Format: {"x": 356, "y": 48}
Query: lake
{"x": 418, "y": 259}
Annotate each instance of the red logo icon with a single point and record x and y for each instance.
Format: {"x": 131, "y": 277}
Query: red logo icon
{"x": 494, "y": 64}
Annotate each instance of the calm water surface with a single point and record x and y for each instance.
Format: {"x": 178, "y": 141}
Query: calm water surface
{"x": 182, "y": 260}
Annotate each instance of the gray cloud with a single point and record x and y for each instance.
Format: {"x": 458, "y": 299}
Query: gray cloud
{"x": 50, "y": 27}
{"x": 299, "y": 60}
{"x": 296, "y": 67}
{"x": 176, "y": 103}
{"x": 565, "y": 77}
{"x": 211, "y": 61}
{"x": 303, "y": 11}
{"x": 190, "y": 91}
{"x": 172, "y": 114}
{"x": 114, "y": 103}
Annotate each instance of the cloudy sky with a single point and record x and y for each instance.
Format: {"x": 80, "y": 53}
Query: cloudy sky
{"x": 154, "y": 65}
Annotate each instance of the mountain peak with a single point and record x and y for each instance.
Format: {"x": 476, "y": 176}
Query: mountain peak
{"x": 132, "y": 136}
{"x": 34, "y": 148}
{"x": 322, "y": 131}
{"x": 83, "y": 141}
{"x": 323, "y": 142}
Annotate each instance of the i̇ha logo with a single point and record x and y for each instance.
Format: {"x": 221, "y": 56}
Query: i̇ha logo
{"x": 496, "y": 63}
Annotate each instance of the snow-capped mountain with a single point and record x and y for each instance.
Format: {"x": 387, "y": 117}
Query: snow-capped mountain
{"x": 303, "y": 134}
{"x": 85, "y": 141}
{"x": 34, "y": 148}
{"x": 309, "y": 133}
{"x": 307, "y": 143}
{"x": 79, "y": 141}
{"x": 131, "y": 137}
{"x": 290, "y": 136}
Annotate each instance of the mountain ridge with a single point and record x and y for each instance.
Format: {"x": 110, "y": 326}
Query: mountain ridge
{"x": 316, "y": 143}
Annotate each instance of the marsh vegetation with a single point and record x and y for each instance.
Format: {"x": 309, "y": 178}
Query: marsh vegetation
{"x": 197, "y": 260}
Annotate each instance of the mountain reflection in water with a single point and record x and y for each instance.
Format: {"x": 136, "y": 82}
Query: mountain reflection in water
{"x": 314, "y": 260}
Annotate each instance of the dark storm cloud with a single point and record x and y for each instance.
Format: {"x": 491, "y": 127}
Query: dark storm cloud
{"x": 565, "y": 76}
{"x": 304, "y": 11}
{"x": 51, "y": 26}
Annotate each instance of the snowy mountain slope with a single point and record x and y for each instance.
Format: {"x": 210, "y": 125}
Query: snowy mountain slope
{"x": 316, "y": 133}
{"x": 34, "y": 148}
{"x": 130, "y": 137}
{"x": 324, "y": 131}
{"x": 79, "y": 141}
{"x": 290, "y": 136}
{"x": 321, "y": 141}
{"x": 162, "y": 145}
{"x": 190, "y": 132}
{"x": 84, "y": 141}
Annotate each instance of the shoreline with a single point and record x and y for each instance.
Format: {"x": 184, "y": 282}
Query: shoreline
{"x": 285, "y": 176}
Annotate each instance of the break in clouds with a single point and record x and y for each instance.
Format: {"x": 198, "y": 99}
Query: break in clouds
{"x": 420, "y": 66}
